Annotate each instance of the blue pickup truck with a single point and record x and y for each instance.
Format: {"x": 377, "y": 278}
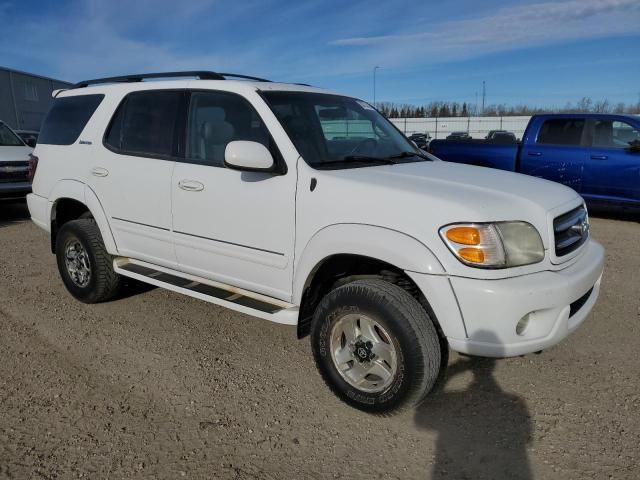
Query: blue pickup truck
{"x": 598, "y": 155}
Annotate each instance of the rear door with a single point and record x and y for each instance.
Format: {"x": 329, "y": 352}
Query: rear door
{"x": 558, "y": 153}
{"x": 612, "y": 168}
{"x": 131, "y": 173}
{"x": 231, "y": 226}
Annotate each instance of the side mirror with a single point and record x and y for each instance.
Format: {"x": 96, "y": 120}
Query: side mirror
{"x": 248, "y": 156}
{"x": 634, "y": 147}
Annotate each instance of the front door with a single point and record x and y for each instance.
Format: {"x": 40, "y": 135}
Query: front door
{"x": 230, "y": 226}
{"x": 558, "y": 153}
{"x": 612, "y": 168}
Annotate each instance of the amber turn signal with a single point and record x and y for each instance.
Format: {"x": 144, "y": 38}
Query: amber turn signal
{"x": 464, "y": 235}
{"x": 474, "y": 255}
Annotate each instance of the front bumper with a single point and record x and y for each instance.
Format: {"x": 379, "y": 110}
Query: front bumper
{"x": 14, "y": 190}
{"x": 492, "y": 308}
{"x": 484, "y": 324}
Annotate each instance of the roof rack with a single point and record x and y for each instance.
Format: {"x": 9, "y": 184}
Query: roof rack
{"x": 244, "y": 77}
{"x": 200, "y": 74}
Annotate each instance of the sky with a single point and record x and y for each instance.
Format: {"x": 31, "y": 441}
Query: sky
{"x": 544, "y": 53}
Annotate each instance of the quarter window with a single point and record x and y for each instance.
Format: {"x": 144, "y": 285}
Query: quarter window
{"x": 217, "y": 118}
{"x": 614, "y": 134}
{"x": 67, "y": 118}
{"x": 561, "y": 131}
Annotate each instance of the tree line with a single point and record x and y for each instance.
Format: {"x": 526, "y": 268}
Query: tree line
{"x": 465, "y": 109}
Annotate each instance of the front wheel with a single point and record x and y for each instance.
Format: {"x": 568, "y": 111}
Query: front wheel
{"x": 375, "y": 346}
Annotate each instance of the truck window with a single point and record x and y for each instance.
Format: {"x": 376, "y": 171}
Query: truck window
{"x": 217, "y": 118}
{"x": 561, "y": 131}
{"x": 67, "y": 118}
{"x": 8, "y": 138}
{"x": 145, "y": 123}
{"x": 614, "y": 134}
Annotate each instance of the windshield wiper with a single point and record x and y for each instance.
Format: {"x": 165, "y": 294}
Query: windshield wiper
{"x": 409, "y": 154}
{"x": 358, "y": 159}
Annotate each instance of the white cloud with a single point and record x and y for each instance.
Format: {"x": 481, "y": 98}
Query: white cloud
{"x": 506, "y": 29}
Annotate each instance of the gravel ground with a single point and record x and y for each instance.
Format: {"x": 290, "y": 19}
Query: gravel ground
{"x": 158, "y": 385}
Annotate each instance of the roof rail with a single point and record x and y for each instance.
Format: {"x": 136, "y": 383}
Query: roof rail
{"x": 200, "y": 74}
{"x": 244, "y": 77}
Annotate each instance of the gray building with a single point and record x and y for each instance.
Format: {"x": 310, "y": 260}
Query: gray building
{"x": 25, "y": 98}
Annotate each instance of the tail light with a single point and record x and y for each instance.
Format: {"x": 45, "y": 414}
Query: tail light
{"x": 33, "y": 165}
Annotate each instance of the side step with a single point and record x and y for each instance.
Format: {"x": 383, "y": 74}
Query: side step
{"x": 221, "y": 294}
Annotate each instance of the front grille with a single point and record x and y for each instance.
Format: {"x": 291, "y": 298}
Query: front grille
{"x": 579, "y": 303}
{"x": 570, "y": 230}
{"x": 14, "y": 172}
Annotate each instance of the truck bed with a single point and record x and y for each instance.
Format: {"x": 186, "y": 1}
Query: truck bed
{"x": 477, "y": 152}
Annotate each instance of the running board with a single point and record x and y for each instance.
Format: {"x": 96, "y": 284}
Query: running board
{"x": 221, "y": 294}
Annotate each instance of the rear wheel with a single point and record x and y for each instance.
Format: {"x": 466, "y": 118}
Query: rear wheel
{"x": 84, "y": 264}
{"x": 375, "y": 346}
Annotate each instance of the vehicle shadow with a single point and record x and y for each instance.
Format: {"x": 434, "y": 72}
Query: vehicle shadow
{"x": 131, "y": 288}
{"x": 483, "y": 431}
{"x": 613, "y": 213}
{"x": 13, "y": 212}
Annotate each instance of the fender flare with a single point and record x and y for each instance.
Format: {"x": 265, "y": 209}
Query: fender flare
{"x": 80, "y": 192}
{"x": 391, "y": 246}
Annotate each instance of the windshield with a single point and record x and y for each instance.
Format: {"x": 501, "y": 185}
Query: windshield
{"x": 8, "y": 138}
{"x": 332, "y": 131}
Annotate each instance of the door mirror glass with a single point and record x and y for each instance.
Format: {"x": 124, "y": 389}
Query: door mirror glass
{"x": 248, "y": 156}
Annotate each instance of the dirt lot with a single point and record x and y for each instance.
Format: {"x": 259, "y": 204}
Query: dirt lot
{"x": 157, "y": 385}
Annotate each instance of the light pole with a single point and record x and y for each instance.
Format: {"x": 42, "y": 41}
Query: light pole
{"x": 374, "y": 85}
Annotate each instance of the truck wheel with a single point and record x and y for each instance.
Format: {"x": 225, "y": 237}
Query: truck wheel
{"x": 84, "y": 264}
{"x": 375, "y": 346}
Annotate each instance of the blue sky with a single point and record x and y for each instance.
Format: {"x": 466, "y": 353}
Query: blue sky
{"x": 538, "y": 52}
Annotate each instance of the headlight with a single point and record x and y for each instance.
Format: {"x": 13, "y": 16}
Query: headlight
{"x": 494, "y": 245}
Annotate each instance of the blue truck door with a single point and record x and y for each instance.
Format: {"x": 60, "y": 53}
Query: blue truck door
{"x": 612, "y": 169}
{"x": 558, "y": 152}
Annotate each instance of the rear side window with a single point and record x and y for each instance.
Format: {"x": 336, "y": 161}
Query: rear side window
{"x": 561, "y": 131}
{"x": 145, "y": 123}
{"x": 67, "y": 118}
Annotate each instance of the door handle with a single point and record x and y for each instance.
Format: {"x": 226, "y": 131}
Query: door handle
{"x": 99, "y": 172}
{"x": 535, "y": 154}
{"x": 190, "y": 185}
{"x": 599, "y": 157}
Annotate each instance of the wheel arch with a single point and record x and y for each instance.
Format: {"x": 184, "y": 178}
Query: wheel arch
{"x": 70, "y": 200}
{"x": 348, "y": 251}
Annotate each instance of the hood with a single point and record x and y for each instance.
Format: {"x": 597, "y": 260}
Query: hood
{"x": 420, "y": 198}
{"x": 491, "y": 194}
{"x": 13, "y": 154}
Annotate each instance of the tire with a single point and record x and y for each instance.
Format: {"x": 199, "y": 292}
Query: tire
{"x": 81, "y": 240}
{"x": 400, "y": 322}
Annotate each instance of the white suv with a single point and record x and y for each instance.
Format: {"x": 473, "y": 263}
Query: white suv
{"x": 309, "y": 208}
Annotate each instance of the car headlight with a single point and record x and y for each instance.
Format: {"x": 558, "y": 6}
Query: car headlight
{"x": 494, "y": 245}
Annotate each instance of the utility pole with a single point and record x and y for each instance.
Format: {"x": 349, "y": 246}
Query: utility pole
{"x": 484, "y": 94}
{"x": 374, "y": 85}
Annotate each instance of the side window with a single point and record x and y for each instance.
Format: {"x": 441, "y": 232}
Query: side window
{"x": 561, "y": 131}
{"x": 67, "y": 118}
{"x": 217, "y": 118}
{"x": 614, "y": 134}
{"x": 145, "y": 123}
{"x": 8, "y": 138}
